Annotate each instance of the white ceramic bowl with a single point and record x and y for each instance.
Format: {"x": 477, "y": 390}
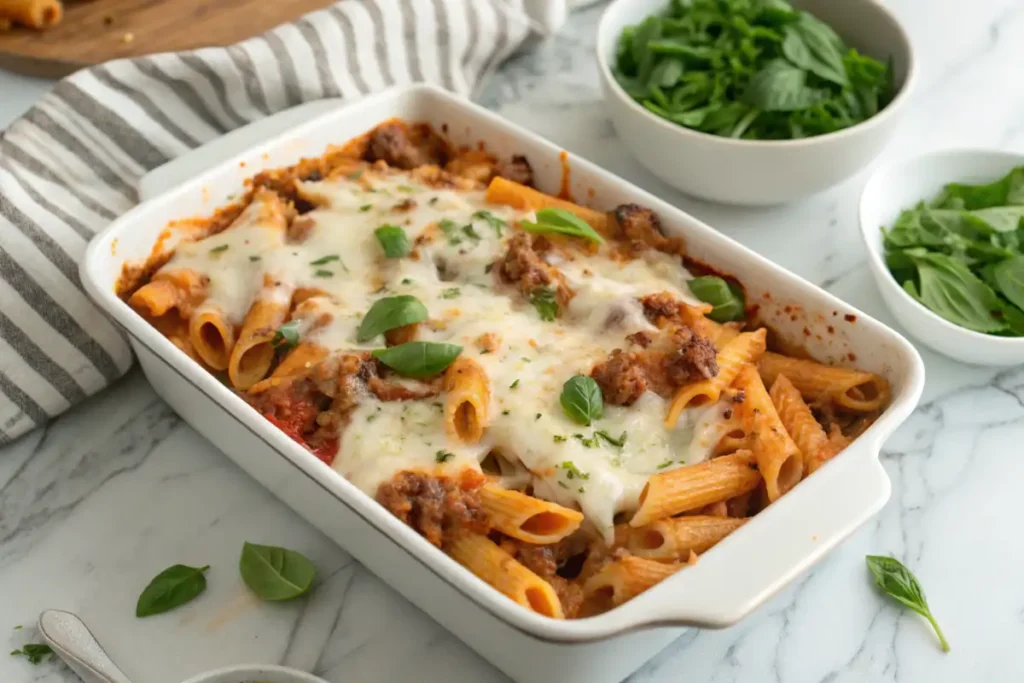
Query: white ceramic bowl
{"x": 751, "y": 172}
{"x": 901, "y": 185}
{"x": 255, "y": 673}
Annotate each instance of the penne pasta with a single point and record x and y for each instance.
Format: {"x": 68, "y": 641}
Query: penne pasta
{"x": 744, "y": 348}
{"x": 625, "y": 578}
{"x": 689, "y": 488}
{"x": 37, "y": 14}
{"x": 780, "y": 461}
{"x": 527, "y": 518}
{"x": 176, "y": 290}
{"x": 467, "y": 396}
{"x": 483, "y": 557}
{"x": 796, "y": 417}
{"x": 672, "y": 540}
{"x": 502, "y": 191}
{"x": 854, "y": 390}
{"x": 212, "y": 337}
{"x": 253, "y": 353}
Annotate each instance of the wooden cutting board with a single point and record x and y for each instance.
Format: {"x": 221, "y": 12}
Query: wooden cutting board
{"x": 95, "y": 31}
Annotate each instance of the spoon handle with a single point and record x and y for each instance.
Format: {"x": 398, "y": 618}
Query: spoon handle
{"x": 71, "y": 639}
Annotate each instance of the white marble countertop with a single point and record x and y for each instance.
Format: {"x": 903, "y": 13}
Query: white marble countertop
{"x": 95, "y": 504}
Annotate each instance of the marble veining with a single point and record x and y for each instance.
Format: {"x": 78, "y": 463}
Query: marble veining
{"x": 103, "y": 498}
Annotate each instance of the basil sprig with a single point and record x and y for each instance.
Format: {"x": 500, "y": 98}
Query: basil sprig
{"x": 274, "y": 573}
{"x": 896, "y": 581}
{"x": 419, "y": 358}
{"x": 581, "y": 399}
{"x": 173, "y": 587}
{"x": 286, "y": 336}
{"x": 561, "y": 222}
{"x": 726, "y": 297}
{"x": 393, "y": 241}
{"x": 389, "y": 313}
{"x": 35, "y": 652}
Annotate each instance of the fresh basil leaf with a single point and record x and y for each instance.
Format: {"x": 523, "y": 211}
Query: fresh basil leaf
{"x": 780, "y": 86}
{"x": 389, "y": 313}
{"x": 34, "y": 652}
{"x": 393, "y": 241}
{"x": 546, "y": 303}
{"x": 997, "y": 218}
{"x": 897, "y": 582}
{"x": 726, "y": 297}
{"x": 581, "y": 399}
{"x": 1009, "y": 276}
{"x": 419, "y": 359}
{"x": 1006, "y": 191}
{"x": 666, "y": 72}
{"x": 173, "y": 587}
{"x": 561, "y": 222}
{"x": 951, "y": 290}
{"x": 286, "y": 336}
{"x": 823, "y": 48}
{"x": 274, "y": 573}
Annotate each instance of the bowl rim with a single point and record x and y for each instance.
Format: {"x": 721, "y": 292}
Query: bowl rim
{"x": 876, "y": 250}
{"x": 213, "y": 675}
{"x": 898, "y": 101}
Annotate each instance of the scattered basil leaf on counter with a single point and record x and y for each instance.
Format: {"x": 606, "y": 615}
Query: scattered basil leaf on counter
{"x": 581, "y": 399}
{"x": 546, "y": 303}
{"x": 35, "y": 652}
{"x": 173, "y": 587}
{"x": 393, "y": 241}
{"x": 562, "y": 222}
{"x": 726, "y": 297}
{"x": 389, "y": 313}
{"x": 896, "y": 581}
{"x": 274, "y": 573}
{"x": 418, "y": 358}
{"x": 287, "y": 335}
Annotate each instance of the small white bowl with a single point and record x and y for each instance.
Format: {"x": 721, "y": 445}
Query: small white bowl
{"x": 753, "y": 172}
{"x": 255, "y": 673}
{"x": 901, "y": 185}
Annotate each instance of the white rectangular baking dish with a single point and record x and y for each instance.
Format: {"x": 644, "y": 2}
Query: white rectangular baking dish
{"x": 726, "y": 584}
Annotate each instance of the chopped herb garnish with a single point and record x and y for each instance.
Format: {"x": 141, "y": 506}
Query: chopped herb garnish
{"x": 18, "y": 627}
{"x": 450, "y": 293}
{"x": 36, "y": 652}
{"x": 488, "y": 268}
{"x": 563, "y": 484}
{"x": 219, "y": 249}
{"x": 571, "y": 471}
{"x": 432, "y": 201}
{"x": 618, "y": 443}
{"x": 484, "y": 352}
{"x": 255, "y": 258}
{"x": 505, "y": 412}
{"x": 470, "y": 232}
{"x": 537, "y": 416}
{"x": 543, "y": 299}
{"x": 393, "y": 241}
{"x": 322, "y": 273}
{"x": 406, "y": 281}
{"x": 365, "y": 207}
{"x": 491, "y": 219}
{"x": 514, "y": 384}
{"x": 665, "y": 464}
{"x": 558, "y": 438}
{"x": 443, "y": 456}
{"x": 405, "y": 188}
{"x": 325, "y": 260}
{"x": 582, "y": 490}
{"x": 287, "y": 336}
{"x": 528, "y": 360}
{"x": 449, "y": 228}
{"x": 371, "y": 418}
{"x": 355, "y": 175}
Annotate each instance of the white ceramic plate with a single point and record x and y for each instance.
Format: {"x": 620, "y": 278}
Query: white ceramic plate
{"x": 781, "y": 542}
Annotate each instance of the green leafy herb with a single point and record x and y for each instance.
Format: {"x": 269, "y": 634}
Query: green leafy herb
{"x": 418, "y": 358}
{"x": 470, "y": 232}
{"x": 322, "y": 273}
{"x": 274, "y": 573}
{"x": 389, "y": 313}
{"x": 488, "y": 268}
{"x": 546, "y": 303}
{"x": 443, "y": 456}
{"x": 514, "y": 384}
{"x": 406, "y": 188}
{"x": 450, "y": 293}
{"x": 365, "y": 207}
{"x": 393, "y": 241}
{"x": 573, "y": 472}
{"x": 896, "y": 581}
{"x": 219, "y": 249}
{"x": 355, "y": 175}
{"x": 561, "y": 222}
{"x": 35, "y": 652}
{"x": 748, "y": 69}
{"x": 618, "y": 443}
{"x": 324, "y": 260}
{"x": 287, "y": 336}
{"x": 173, "y": 587}
{"x": 1009, "y": 276}
{"x": 492, "y": 220}
{"x": 581, "y": 399}
{"x": 255, "y": 258}
{"x": 537, "y": 416}
{"x": 558, "y": 438}
{"x": 450, "y": 229}
{"x": 667, "y": 463}
{"x": 726, "y": 297}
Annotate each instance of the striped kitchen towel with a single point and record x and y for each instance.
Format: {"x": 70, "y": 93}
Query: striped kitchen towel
{"x": 71, "y": 164}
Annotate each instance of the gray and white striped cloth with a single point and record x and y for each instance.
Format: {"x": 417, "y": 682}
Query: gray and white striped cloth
{"x": 71, "y": 164}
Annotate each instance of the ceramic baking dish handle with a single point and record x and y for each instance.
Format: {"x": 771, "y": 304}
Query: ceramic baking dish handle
{"x": 788, "y": 537}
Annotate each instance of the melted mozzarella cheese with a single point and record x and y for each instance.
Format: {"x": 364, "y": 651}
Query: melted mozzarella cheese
{"x": 450, "y": 271}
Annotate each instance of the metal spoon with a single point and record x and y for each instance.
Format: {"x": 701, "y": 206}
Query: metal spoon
{"x": 72, "y": 641}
